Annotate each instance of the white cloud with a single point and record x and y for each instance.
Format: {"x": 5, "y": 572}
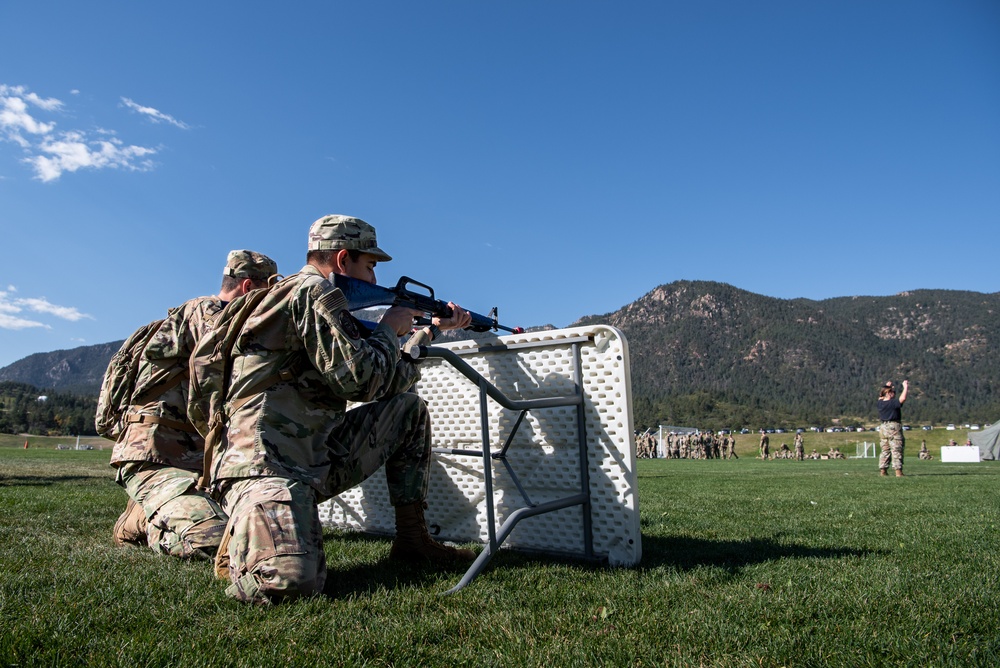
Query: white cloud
{"x": 11, "y": 308}
{"x": 49, "y": 104}
{"x": 11, "y": 322}
{"x": 16, "y": 118}
{"x": 154, "y": 115}
{"x": 42, "y": 305}
{"x": 71, "y": 151}
{"x": 51, "y": 153}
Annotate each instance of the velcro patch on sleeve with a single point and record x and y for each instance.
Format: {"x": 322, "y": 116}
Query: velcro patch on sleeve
{"x": 333, "y": 300}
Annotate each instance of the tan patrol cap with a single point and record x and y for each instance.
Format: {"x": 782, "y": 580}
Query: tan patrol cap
{"x": 335, "y": 232}
{"x": 248, "y": 264}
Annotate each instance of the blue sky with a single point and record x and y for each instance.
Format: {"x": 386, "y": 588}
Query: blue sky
{"x": 554, "y": 159}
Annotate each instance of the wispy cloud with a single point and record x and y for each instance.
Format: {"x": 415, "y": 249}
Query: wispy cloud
{"x": 71, "y": 151}
{"x": 11, "y": 309}
{"x": 52, "y": 153}
{"x": 154, "y": 115}
{"x": 15, "y": 114}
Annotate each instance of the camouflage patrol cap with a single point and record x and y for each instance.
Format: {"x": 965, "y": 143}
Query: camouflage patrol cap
{"x": 335, "y": 232}
{"x": 248, "y": 264}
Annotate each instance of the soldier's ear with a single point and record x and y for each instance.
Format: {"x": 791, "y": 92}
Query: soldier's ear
{"x": 340, "y": 260}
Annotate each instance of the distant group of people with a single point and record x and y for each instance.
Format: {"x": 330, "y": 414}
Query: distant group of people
{"x": 796, "y": 452}
{"x": 706, "y": 445}
{"x": 696, "y": 445}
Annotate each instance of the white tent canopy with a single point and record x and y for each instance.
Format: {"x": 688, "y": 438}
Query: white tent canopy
{"x": 988, "y": 441}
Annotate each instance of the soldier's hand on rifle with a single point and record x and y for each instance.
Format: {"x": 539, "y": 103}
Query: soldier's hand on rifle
{"x": 459, "y": 318}
{"x": 400, "y": 319}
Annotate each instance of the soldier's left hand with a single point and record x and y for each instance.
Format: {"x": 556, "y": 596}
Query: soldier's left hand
{"x": 459, "y": 318}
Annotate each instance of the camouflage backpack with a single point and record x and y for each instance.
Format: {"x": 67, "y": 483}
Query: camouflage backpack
{"x": 209, "y": 372}
{"x": 119, "y": 382}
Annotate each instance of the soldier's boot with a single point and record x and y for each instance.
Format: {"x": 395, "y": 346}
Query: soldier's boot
{"x": 883, "y": 472}
{"x": 130, "y": 529}
{"x": 414, "y": 544}
{"x": 899, "y": 473}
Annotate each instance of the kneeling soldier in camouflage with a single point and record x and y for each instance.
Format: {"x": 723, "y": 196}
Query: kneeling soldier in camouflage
{"x": 159, "y": 455}
{"x": 291, "y": 443}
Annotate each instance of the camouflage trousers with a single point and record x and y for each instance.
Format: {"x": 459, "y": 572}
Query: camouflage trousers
{"x": 892, "y": 442}
{"x": 274, "y": 541}
{"x": 180, "y": 520}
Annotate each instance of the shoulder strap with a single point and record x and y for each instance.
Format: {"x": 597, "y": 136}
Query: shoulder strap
{"x": 217, "y": 422}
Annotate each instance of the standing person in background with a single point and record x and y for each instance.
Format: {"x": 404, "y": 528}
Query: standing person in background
{"x": 891, "y": 429}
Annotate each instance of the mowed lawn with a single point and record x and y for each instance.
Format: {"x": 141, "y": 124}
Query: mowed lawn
{"x": 745, "y": 563}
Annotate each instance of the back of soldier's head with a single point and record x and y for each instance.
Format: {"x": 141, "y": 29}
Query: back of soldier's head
{"x": 247, "y": 264}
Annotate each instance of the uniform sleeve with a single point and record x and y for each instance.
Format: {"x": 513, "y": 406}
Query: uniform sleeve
{"x": 354, "y": 368}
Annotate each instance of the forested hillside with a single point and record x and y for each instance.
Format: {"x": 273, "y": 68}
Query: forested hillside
{"x": 711, "y": 354}
{"x": 26, "y": 409}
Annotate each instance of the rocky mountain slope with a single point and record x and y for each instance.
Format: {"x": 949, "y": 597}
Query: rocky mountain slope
{"x": 717, "y": 356}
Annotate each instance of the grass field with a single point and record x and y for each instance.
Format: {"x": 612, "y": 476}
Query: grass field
{"x": 745, "y": 563}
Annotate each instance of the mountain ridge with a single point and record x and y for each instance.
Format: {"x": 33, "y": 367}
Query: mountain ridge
{"x": 712, "y": 354}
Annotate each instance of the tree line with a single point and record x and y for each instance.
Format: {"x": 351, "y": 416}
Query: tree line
{"x": 26, "y": 409}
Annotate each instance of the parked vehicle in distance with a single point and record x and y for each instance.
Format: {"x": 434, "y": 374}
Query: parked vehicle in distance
{"x": 950, "y": 427}
{"x": 906, "y": 427}
{"x": 927, "y": 427}
{"x": 975, "y": 426}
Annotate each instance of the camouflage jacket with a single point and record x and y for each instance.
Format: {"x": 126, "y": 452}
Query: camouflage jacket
{"x": 284, "y": 429}
{"x": 170, "y": 439}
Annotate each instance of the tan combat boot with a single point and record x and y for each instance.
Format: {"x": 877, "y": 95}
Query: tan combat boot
{"x": 883, "y": 472}
{"x": 414, "y": 544}
{"x": 899, "y": 473}
{"x": 130, "y": 529}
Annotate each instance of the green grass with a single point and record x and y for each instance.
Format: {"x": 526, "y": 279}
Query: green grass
{"x": 745, "y": 563}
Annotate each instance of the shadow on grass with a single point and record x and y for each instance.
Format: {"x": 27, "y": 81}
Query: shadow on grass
{"x": 380, "y": 573}
{"x": 42, "y": 481}
{"x": 688, "y": 553}
{"x": 683, "y": 553}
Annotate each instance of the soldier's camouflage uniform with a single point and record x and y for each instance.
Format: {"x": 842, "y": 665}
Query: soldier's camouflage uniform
{"x": 159, "y": 455}
{"x": 293, "y": 444}
{"x": 892, "y": 443}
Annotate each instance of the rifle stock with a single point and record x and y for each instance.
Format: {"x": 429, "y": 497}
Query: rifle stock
{"x": 361, "y": 295}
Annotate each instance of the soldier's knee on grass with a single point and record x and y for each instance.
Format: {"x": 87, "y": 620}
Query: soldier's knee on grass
{"x": 279, "y": 579}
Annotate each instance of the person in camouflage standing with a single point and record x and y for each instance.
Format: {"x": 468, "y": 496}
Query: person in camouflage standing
{"x": 800, "y": 447}
{"x": 891, "y": 430}
{"x": 294, "y": 444}
{"x": 765, "y": 445}
{"x": 159, "y": 455}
